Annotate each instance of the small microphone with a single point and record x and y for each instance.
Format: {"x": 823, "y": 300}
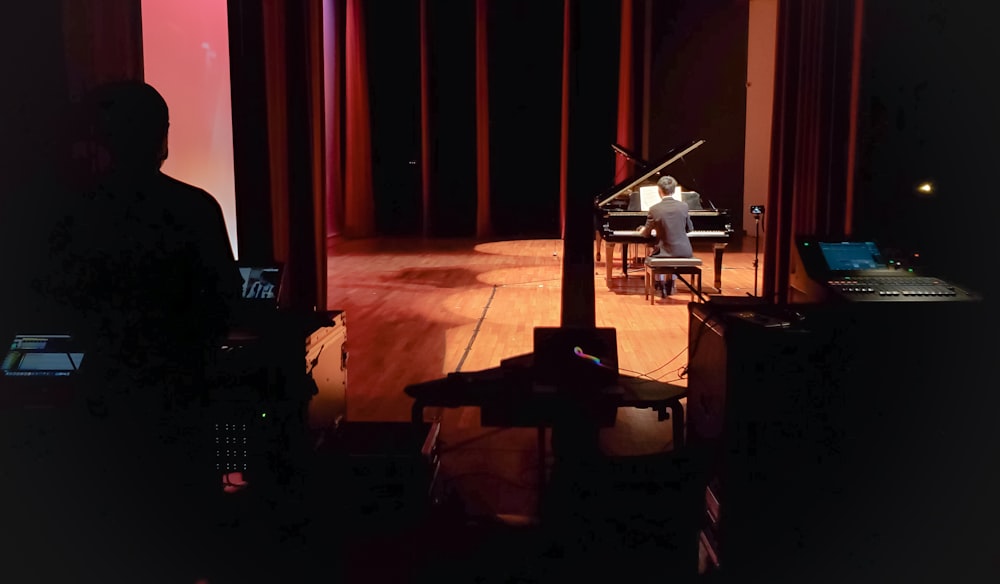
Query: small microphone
{"x": 619, "y": 150}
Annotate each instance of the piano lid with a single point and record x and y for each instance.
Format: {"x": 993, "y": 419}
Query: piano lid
{"x": 629, "y": 155}
{"x": 673, "y": 155}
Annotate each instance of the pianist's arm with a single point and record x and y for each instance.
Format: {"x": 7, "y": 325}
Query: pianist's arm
{"x": 649, "y": 229}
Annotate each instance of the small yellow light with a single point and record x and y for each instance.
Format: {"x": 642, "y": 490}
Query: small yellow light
{"x": 925, "y": 188}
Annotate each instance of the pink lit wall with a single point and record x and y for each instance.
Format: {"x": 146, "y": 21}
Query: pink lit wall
{"x": 185, "y": 46}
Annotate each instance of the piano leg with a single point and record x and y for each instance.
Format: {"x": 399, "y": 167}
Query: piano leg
{"x": 609, "y": 259}
{"x": 598, "y": 240}
{"x": 718, "y": 248}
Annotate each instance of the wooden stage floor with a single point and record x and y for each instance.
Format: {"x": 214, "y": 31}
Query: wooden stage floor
{"x": 418, "y": 309}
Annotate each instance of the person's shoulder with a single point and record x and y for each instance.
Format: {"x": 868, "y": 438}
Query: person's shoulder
{"x": 670, "y": 203}
{"x": 185, "y": 193}
{"x": 169, "y": 182}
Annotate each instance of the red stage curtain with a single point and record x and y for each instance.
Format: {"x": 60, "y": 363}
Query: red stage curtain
{"x": 564, "y": 122}
{"x": 103, "y": 42}
{"x": 317, "y": 129}
{"x": 276, "y": 89}
{"x": 333, "y": 71}
{"x": 293, "y": 49}
{"x": 626, "y": 93}
{"x": 425, "y": 125}
{"x": 812, "y": 154}
{"x": 484, "y": 227}
{"x": 852, "y": 140}
{"x": 359, "y": 205}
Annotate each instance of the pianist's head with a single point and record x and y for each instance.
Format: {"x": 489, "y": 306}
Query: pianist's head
{"x": 667, "y": 185}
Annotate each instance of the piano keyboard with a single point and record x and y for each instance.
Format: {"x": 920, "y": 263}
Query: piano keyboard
{"x": 694, "y": 234}
{"x": 624, "y": 233}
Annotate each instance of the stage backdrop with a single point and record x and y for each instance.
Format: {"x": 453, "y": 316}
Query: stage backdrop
{"x": 186, "y": 57}
{"x": 698, "y": 69}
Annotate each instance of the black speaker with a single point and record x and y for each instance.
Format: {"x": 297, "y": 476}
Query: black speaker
{"x": 829, "y": 441}
{"x": 380, "y": 473}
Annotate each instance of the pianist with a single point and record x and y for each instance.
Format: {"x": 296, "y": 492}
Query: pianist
{"x": 669, "y": 221}
{"x": 678, "y": 192}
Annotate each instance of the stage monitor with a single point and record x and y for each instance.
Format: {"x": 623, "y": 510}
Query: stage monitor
{"x": 261, "y": 283}
{"x": 834, "y": 257}
{"x": 41, "y": 355}
{"x": 40, "y": 371}
{"x": 851, "y": 255}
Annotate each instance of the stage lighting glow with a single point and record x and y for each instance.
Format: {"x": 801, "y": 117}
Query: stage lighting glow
{"x": 185, "y": 49}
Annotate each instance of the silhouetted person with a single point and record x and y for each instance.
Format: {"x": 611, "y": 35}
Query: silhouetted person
{"x": 144, "y": 259}
{"x": 145, "y": 272}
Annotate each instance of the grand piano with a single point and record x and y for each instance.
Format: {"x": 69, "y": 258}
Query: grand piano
{"x": 616, "y": 219}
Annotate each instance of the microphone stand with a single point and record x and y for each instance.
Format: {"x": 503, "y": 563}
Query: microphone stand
{"x": 756, "y": 249}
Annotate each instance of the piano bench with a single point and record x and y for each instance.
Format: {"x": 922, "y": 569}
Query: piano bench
{"x": 656, "y": 266}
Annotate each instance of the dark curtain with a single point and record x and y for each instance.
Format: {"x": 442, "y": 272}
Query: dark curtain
{"x": 72, "y": 47}
{"x": 359, "y": 207}
{"x": 36, "y": 94}
{"x": 697, "y": 90}
{"x": 276, "y": 106}
{"x": 252, "y": 170}
{"x": 333, "y": 88}
{"x": 811, "y": 150}
{"x": 525, "y": 52}
{"x": 484, "y": 225}
{"x": 103, "y": 42}
{"x": 465, "y": 109}
{"x": 425, "y": 124}
{"x": 313, "y": 205}
{"x": 284, "y": 93}
{"x": 55, "y": 51}
{"x": 393, "y": 71}
{"x": 564, "y": 119}
{"x": 464, "y": 112}
{"x": 626, "y": 91}
{"x": 927, "y": 112}
{"x": 451, "y": 55}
